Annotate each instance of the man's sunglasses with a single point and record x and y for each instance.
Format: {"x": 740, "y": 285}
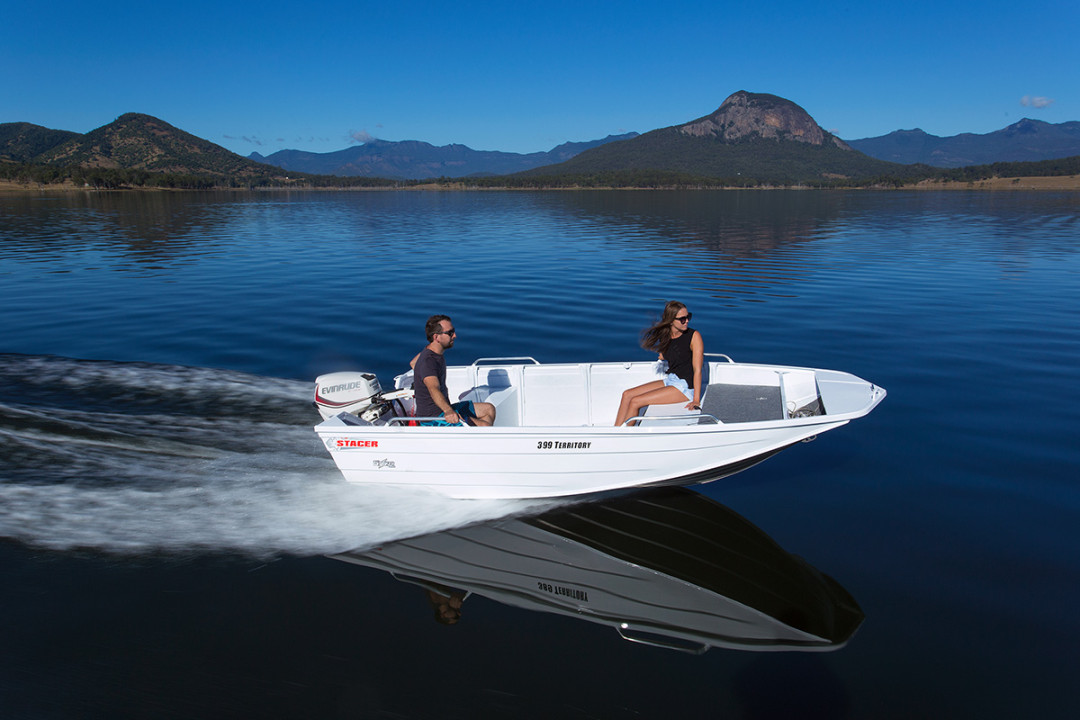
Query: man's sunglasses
{"x": 451, "y": 331}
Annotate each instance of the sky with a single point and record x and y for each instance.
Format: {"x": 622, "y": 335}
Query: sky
{"x": 525, "y": 77}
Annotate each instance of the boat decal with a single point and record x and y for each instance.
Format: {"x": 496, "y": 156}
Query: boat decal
{"x": 344, "y": 443}
{"x": 345, "y": 386}
{"x": 563, "y": 445}
{"x": 572, "y": 593}
{"x": 383, "y": 463}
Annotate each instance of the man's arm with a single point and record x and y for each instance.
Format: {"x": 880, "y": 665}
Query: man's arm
{"x": 432, "y": 384}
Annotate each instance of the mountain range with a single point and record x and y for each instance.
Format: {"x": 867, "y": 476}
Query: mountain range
{"x": 697, "y": 147}
{"x": 752, "y": 139}
{"x": 1025, "y": 141}
{"x": 415, "y": 160}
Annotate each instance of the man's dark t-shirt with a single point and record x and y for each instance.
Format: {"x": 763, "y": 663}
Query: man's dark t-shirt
{"x": 429, "y": 364}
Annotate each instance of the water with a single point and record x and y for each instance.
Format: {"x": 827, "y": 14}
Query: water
{"x": 167, "y": 511}
{"x": 134, "y": 458}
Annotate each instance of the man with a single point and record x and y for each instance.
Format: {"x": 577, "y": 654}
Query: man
{"x": 429, "y": 380}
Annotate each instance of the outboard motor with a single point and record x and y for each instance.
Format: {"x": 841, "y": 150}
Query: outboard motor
{"x": 351, "y": 392}
{"x": 358, "y": 393}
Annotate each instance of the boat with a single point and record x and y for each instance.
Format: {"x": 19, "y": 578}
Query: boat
{"x": 554, "y": 431}
{"x": 667, "y": 567}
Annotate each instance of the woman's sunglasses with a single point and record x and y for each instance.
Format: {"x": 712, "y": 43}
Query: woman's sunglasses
{"x": 684, "y": 318}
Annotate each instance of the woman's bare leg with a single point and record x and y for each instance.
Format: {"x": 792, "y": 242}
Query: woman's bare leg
{"x": 629, "y": 395}
{"x": 664, "y": 395}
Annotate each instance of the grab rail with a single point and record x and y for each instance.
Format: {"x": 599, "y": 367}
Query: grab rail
{"x": 694, "y": 416}
{"x": 477, "y": 361}
{"x": 726, "y": 357}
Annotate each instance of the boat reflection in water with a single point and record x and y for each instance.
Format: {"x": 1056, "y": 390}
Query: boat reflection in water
{"x": 667, "y": 567}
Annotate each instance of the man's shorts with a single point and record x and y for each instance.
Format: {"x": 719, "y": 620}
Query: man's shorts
{"x": 465, "y": 411}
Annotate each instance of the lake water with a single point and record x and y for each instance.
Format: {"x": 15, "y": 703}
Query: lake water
{"x": 166, "y": 512}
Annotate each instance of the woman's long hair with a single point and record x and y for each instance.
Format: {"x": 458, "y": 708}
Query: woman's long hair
{"x": 658, "y": 337}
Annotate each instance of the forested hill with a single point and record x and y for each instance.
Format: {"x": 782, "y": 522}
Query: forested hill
{"x": 136, "y": 150}
{"x": 141, "y": 142}
{"x": 21, "y": 142}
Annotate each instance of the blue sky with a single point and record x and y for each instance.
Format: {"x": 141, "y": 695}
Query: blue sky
{"x": 524, "y": 77}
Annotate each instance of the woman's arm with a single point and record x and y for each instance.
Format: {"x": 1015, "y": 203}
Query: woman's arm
{"x": 697, "y": 347}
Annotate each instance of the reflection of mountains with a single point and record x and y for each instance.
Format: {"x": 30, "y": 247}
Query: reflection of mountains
{"x": 144, "y": 227}
{"x": 729, "y": 223}
{"x": 668, "y": 567}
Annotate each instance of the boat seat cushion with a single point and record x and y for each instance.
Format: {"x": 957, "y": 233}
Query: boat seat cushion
{"x": 673, "y": 410}
{"x": 743, "y": 403}
{"x": 661, "y": 410}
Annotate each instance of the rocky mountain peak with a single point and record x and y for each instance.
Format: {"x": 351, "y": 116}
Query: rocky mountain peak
{"x": 1026, "y": 126}
{"x": 745, "y": 115}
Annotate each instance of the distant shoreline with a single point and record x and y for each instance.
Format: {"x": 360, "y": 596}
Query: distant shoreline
{"x": 1047, "y": 182}
{"x": 1037, "y": 183}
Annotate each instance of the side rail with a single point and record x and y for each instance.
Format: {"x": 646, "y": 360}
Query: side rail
{"x": 523, "y": 358}
{"x": 720, "y": 355}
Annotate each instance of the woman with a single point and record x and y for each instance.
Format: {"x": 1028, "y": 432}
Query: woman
{"x": 683, "y": 350}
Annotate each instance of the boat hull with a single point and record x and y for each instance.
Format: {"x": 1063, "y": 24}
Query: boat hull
{"x": 489, "y": 463}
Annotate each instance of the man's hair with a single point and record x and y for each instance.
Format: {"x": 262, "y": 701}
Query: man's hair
{"x": 432, "y": 325}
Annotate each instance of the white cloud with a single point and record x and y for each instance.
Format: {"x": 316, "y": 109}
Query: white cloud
{"x": 245, "y": 138}
{"x": 361, "y": 136}
{"x": 1036, "y": 101}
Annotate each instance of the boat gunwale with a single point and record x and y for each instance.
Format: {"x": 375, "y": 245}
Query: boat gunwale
{"x": 876, "y": 394}
{"x": 329, "y": 426}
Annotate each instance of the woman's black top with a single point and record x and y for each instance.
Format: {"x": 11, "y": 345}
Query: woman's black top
{"x": 680, "y": 358}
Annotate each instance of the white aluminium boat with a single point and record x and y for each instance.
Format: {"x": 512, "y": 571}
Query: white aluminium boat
{"x": 554, "y": 436}
{"x": 667, "y": 567}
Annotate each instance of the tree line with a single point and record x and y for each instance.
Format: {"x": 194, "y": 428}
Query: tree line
{"x": 115, "y": 179}
{"x": 121, "y": 178}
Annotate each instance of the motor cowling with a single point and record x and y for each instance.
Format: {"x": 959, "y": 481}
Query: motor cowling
{"x": 351, "y": 392}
